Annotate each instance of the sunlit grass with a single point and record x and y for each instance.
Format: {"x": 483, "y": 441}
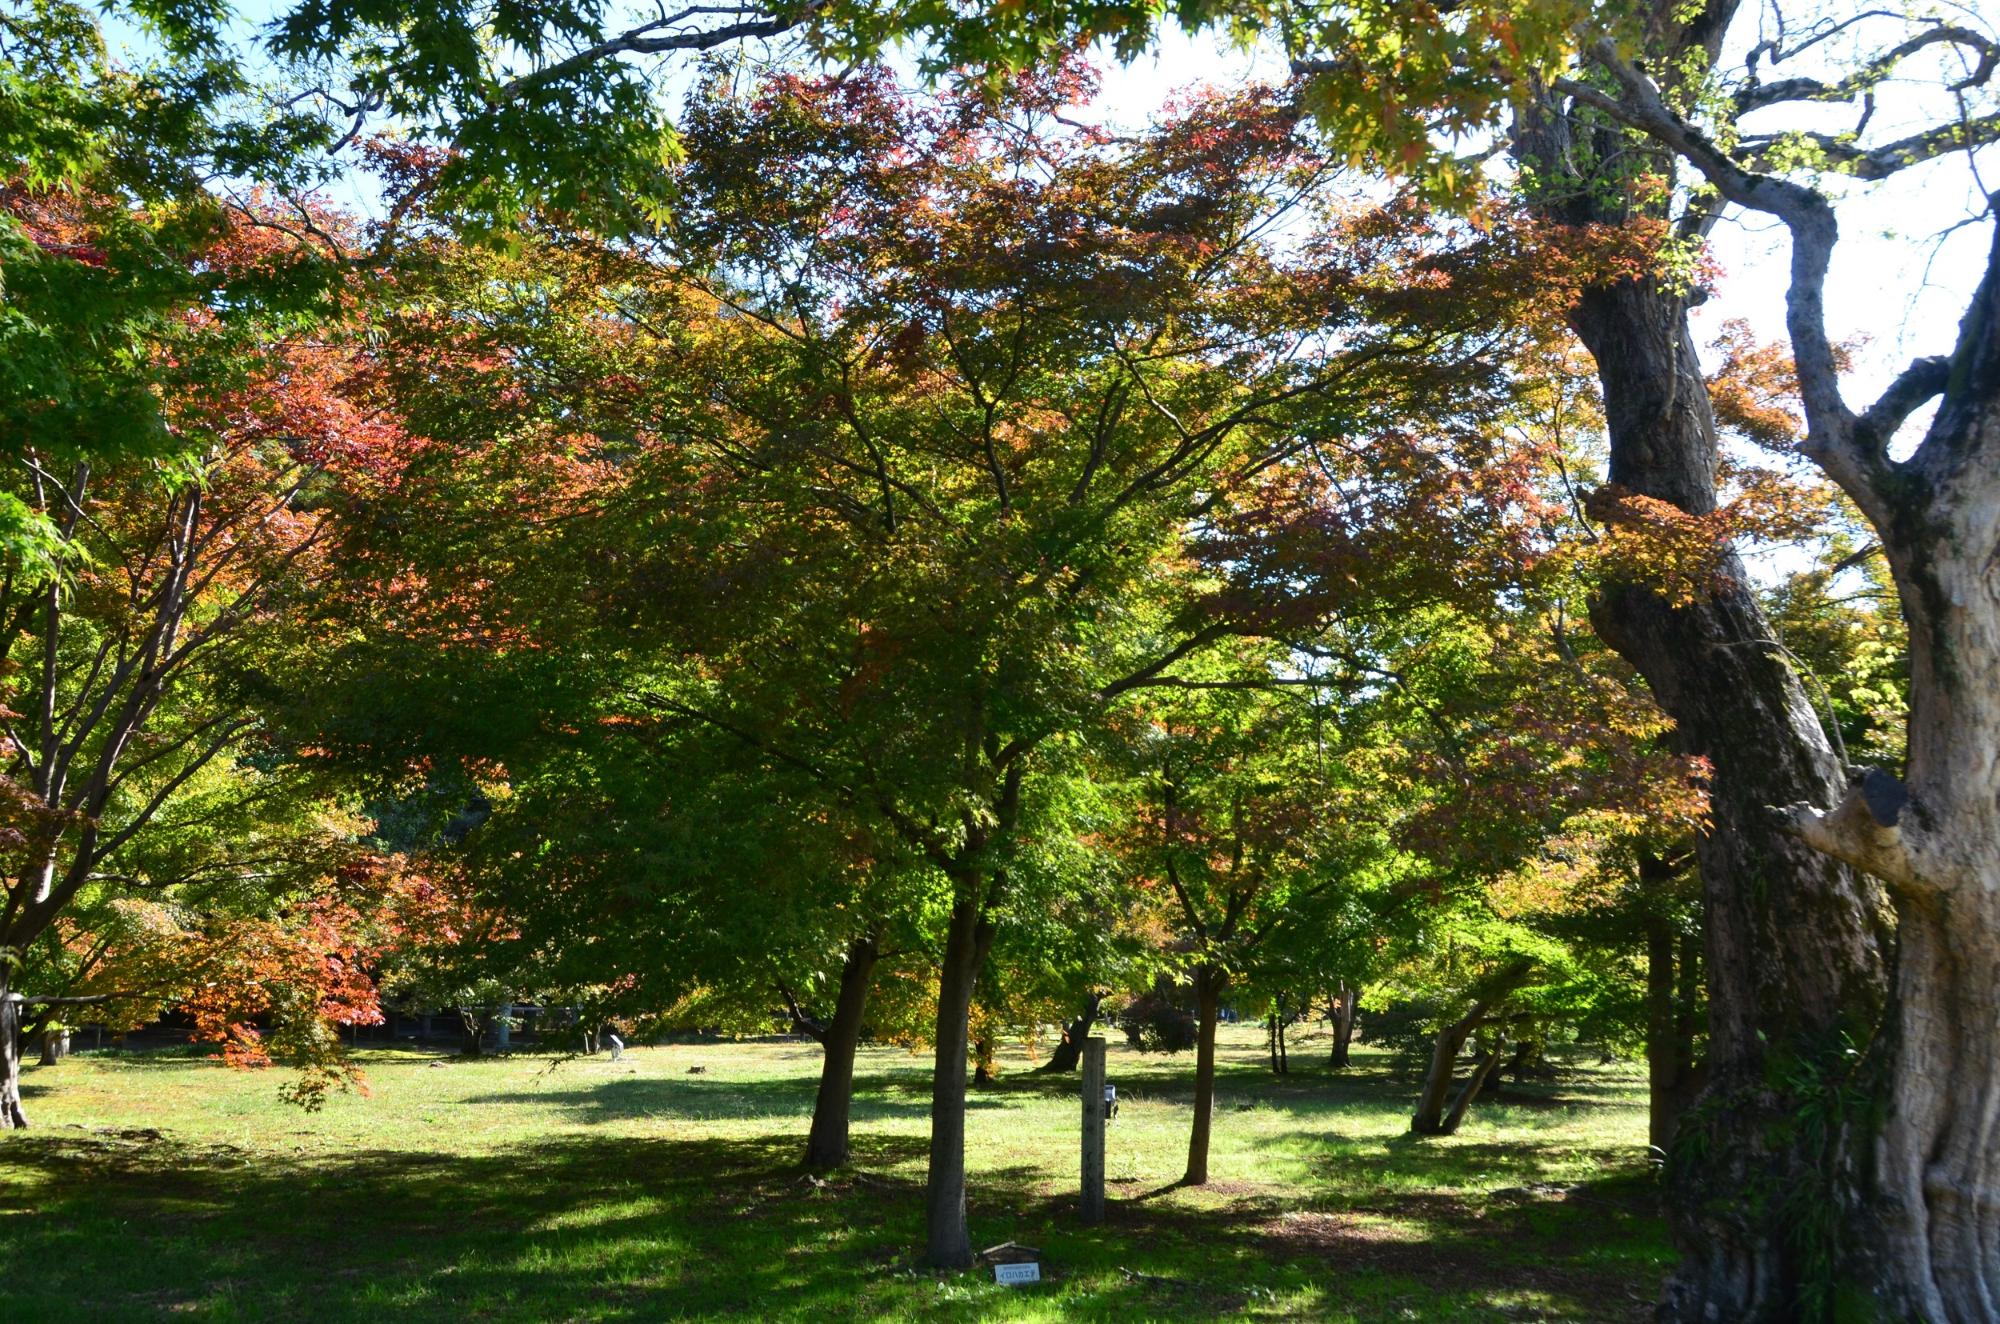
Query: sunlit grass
{"x": 165, "y": 1186}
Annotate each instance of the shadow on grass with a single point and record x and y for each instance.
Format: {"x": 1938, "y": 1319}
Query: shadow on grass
{"x": 701, "y": 1098}
{"x": 620, "y": 1228}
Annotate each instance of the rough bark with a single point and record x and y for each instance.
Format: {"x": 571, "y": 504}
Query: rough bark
{"x": 826, "y": 1143}
{"x": 1795, "y": 941}
{"x": 1069, "y": 1052}
{"x": 947, "y": 1242}
{"x": 1935, "y": 837}
{"x": 1666, "y": 1051}
{"x": 12, "y": 1116}
{"x": 1208, "y": 985}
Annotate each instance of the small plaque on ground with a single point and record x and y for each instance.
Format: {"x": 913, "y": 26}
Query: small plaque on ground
{"x": 1017, "y": 1274}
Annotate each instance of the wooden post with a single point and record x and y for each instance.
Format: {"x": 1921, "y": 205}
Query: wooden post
{"x": 1093, "y": 1129}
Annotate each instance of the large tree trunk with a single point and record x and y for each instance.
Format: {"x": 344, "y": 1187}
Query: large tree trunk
{"x": 12, "y": 1117}
{"x": 947, "y": 1242}
{"x": 1069, "y": 1052}
{"x": 1208, "y": 986}
{"x": 826, "y": 1143}
{"x": 1936, "y": 837}
{"x": 1795, "y": 940}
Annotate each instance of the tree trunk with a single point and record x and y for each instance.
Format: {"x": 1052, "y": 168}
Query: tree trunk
{"x": 1796, "y": 942}
{"x": 983, "y": 1053}
{"x": 55, "y": 1046}
{"x": 1474, "y": 1086}
{"x": 1429, "y": 1119}
{"x": 826, "y": 1143}
{"x": 1663, "y": 1057}
{"x": 473, "y": 1044}
{"x": 1284, "y": 1058}
{"x": 1069, "y": 1052}
{"x": 1208, "y": 986}
{"x": 12, "y": 1117}
{"x": 1490, "y": 993}
{"x": 1526, "y": 1054}
{"x": 1342, "y": 1019}
{"x": 1936, "y": 839}
{"x": 947, "y": 1243}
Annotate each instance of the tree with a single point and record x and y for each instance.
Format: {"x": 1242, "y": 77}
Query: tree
{"x": 1244, "y": 812}
{"x": 154, "y": 624}
{"x": 1930, "y": 838}
{"x": 1612, "y": 108}
{"x": 887, "y": 451}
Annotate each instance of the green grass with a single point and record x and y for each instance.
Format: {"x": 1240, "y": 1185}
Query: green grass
{"x": 164, "y": 1186}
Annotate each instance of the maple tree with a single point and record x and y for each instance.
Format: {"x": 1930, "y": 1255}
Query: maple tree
{"x": 879, "y": 463}
{"x": 1246, "y": 810}
{"x": 151, "y": 625}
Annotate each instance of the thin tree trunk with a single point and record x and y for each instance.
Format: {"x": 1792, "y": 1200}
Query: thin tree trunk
{"x": 1069, "y": 1052}
{"x": 1663, "y": 1055}
{"x": 1343, "y": 1027}
{"x": 1473, "y": 1087}
{"x": 947, "y": 1242}
{"x": 826, "y": 1143}
{"x": 1208, "y": 986}
{"x": 1278, "y": 1021}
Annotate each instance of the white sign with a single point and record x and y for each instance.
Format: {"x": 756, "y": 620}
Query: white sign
{"x": 1017, "y": 1274}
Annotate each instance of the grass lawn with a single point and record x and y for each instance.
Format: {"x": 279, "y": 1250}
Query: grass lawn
{"x": 167, "y": 1186}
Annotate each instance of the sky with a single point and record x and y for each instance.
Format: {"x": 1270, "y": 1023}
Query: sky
{"x": 1902, "y": 275}
{"x": 1896, "y": 290}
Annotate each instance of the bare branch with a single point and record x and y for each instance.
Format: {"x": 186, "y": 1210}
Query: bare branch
{"x": 1917, "y": 384}
{"x": 658, "y": 38}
